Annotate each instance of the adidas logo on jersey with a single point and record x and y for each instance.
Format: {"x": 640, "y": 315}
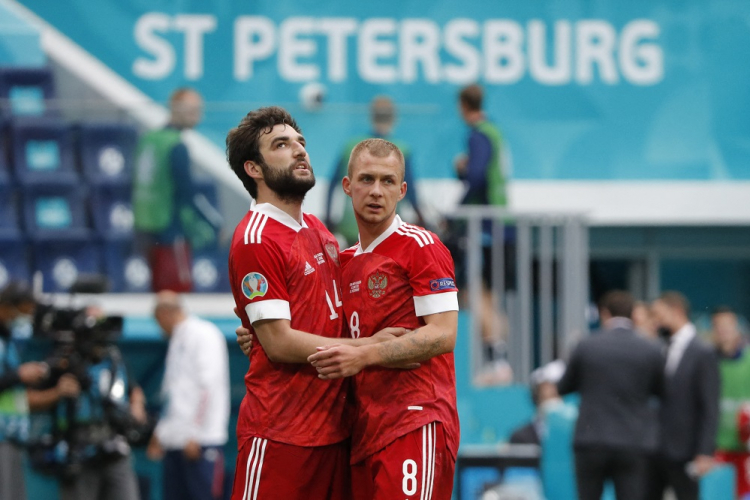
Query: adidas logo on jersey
{"x": 308, "y": 268}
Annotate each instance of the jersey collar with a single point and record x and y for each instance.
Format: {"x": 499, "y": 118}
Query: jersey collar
{"x": 397, "y": 223}
{"x": 278, "y": 215}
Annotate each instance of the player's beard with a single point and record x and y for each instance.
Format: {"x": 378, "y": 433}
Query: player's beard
{"x": 285, "y": 184}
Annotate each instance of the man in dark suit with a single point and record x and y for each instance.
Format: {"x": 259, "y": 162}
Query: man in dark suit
{"x": 690, "y": 410}
{"x": 618, "y": 373}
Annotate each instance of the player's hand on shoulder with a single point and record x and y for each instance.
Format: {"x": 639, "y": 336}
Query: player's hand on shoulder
{"x": 338, "y": 361}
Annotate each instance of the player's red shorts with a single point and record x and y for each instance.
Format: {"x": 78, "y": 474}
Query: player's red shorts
{"x": 417, "y": 466}
{"x": 271, "y": 470}
{"x": 741, "y": 463}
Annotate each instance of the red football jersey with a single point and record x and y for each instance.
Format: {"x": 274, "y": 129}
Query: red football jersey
{"x": 281, "y": 270}
{"x": 405, "y": 274}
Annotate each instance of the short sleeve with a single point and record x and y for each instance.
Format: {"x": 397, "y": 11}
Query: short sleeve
{"x": 259, "y": 275}
{"x": 432, "y": 277}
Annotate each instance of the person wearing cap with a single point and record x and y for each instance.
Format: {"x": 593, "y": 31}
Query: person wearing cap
{"x": 382, "y": 119}
{"x": 618, "y": 373}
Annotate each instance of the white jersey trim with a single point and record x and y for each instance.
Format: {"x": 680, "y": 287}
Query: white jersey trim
{"x": 436, "y": 303}
{"x": 396, "y": 224}
{"x": 277, "y": 214}
{"x": 268, "y": 309}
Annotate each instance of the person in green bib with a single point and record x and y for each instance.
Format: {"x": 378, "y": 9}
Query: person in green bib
{"x": 167, "y": 224}
{"x": 341, "y": 222}
{"x": 734, "y": 368}
{"x": 484, "y": 170}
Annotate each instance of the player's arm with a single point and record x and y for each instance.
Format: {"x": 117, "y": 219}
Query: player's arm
{"x": 436, "y": 337}
{"x": 284, "y": 344}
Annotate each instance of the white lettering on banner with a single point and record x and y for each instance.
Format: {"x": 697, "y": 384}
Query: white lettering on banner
{"x": 503, "y": 51}
{"x": 193, "y": 26}
{"x": 292, "y": 46}
{"x": 337, "y": 30}
{"x": 651, "y": 67}
{"x": 247, "y": 49}
{"x": 146, "y": 36}
{"x": 558, "y": 72}
{"x": 496, "y": 51}
{"x": 456, "y": 32}
{"x": 595, "y": 43}
{"x": 371, "y": 48}
{"x": 420, "y": 43}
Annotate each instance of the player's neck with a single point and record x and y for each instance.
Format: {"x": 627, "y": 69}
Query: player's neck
{"x": 370, "y": 232}
{"x": 292, "y": 207}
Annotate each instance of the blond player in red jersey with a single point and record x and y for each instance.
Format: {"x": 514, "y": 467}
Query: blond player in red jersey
{"x": 406, "y": 431}
{"x": 284, "y": 269}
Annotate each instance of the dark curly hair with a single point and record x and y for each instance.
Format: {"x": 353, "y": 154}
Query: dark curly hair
{"x": 243, "y": 141}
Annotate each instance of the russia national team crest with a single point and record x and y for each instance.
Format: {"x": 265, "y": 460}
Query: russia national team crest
{"x": 376, "y": 284}
{"x": 332, "y": 252}
{"x": 254, "y": 285}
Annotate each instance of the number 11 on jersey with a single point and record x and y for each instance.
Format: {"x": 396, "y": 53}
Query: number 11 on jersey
{"x": 334, "y": 314}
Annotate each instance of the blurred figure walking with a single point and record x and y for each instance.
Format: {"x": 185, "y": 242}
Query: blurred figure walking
{"x": 617, "y": 373}
{"x": 192, "y": 432}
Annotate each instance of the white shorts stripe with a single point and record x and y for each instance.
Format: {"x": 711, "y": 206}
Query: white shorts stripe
{"x": 260, "y": 468}
{"x": 247, "y": 467}
{"x": 424, "y": 460}
{"x": 433, "y": 431}
{"x": 250, "y": 223}
{"x": 430, "y": 454}
{"x": 254, "y": 469}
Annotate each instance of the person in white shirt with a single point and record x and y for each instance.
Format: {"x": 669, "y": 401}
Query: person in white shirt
{"x": 191, "y": 434}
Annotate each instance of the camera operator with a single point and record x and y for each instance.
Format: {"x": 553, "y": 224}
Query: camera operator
{"x": 14, "y": 403}
{"x": 92, "y": 429}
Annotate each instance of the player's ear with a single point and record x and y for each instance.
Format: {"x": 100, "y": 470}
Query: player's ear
{"x": 346, "y": 183}
{"x": 253, "y": 169}
{"x": 403, "y": 191}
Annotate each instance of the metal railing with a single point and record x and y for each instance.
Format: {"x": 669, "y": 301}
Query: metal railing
{"x": 541, "y": 288}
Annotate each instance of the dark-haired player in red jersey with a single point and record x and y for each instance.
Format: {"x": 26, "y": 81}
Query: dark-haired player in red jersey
{"x": 406, "y": 431}
{"x": 284, "y": 269}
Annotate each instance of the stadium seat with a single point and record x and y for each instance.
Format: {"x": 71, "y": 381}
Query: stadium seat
{"x": 107, "y": 152}
{"x": 42, "y": 152}
{"x": 112, "y": 211}
{"x": 14, "y": 261}
{"x": 127, "y": 271}
{"x": 63, "y": 263}
{"x": 5, "y": 173}
{"x": 210, "y": 271}
{"x": 55, "y": 213}
{"x": 10, "y": 226}
{"x": 27, "y": 92}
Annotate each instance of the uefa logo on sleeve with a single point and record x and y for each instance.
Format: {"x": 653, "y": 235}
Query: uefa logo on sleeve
{"x": 254, "y": 285}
